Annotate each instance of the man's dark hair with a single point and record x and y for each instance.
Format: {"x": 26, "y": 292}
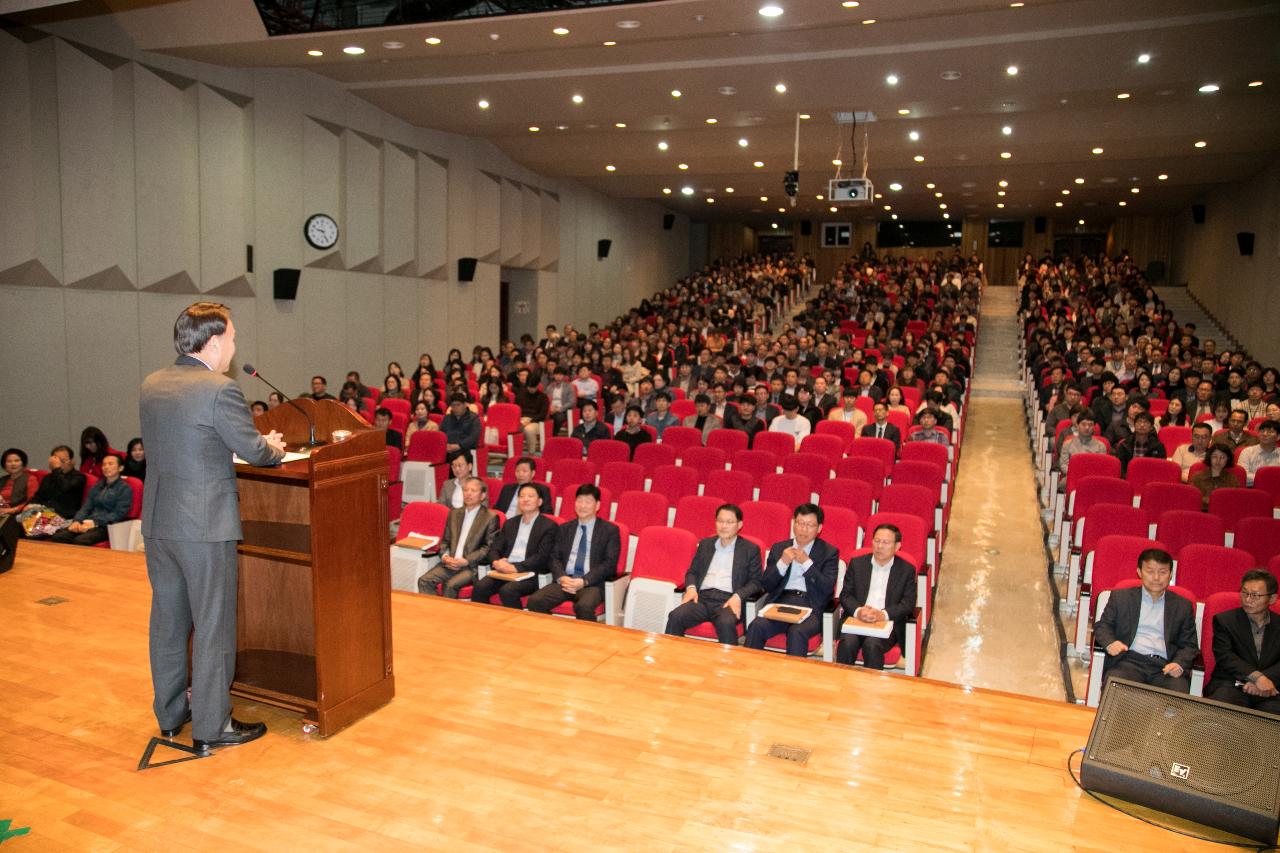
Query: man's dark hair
{"x": 702, "y": 398}
{"x": 321, "y": 378}
{"x": 591, "y": 403}
{"x": 587, "y": 490}
{"x": 457, "y": 398}
{"x": 634, "y": 408}
{"x": 892, "y": 528}
{"x": 197, "y": 324}
{"x": 1260, "y": 575}
{"x": 808, "y": 509}
{"x": 1144, "y": 416}
{"x": 526, "y": 460}
{"x": 457, "y": 453}
{"x": 733, "y": 508}
{"x": 382, "y": 412}
{"x": 71, "y": 454}
{"x": 1073, "y": 386}
{"x": 1204, "y": 425}
{"x": 662, "y": 395}
{"x": 531, "y": 487}
{"x": 1268, "y": 424}
{"x": 484, "y": 487}
{"x": 789, "y": 402}
{"x": 1155, "y": 555}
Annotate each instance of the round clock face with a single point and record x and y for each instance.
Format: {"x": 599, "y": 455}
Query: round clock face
{"x": 321, "y": 231}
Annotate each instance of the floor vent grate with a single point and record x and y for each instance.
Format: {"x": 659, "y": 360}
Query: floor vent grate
{"x": 795, "y": 754}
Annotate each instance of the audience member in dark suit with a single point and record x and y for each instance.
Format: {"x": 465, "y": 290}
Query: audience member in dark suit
{"x": 589, "y": 428}
{"x": 62, "y": 489}
{"x": 745, "y": 419}
{"x": 881, "y": 428}
{"x": 508, "y": 496}
{"x": 633, "y": 434}
{"x": 108, "y": 501}
{"x": 585, "y": 555}
{"x": 469, "y": 532}
{"x": 523, "y": 545}
{"x": 461, "y": 426}
{"x": 1148, "y": 632}
{"x": 722, "y": 571}
{"x": 461, "y": 468}
{"x": 877, "y": 587}
{"x": 1246, "y": 648}
{"x": 382, "y": 420}
{"x": 801, "y": 572}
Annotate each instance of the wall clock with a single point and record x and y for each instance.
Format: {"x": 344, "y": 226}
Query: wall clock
{"x": 321, "y": 231}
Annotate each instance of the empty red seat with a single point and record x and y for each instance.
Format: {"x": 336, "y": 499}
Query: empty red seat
{"x": 855, "y": 495}
{"x": 778, "y": 443}
{"x": 639, "y": 510}
{"x": 649, "y": 456}
{"x": 605, "y": 450}
{"x": 704, "y": 460}
{"x": 1159, "y": 498}
{"x": 842, "y": 527}
{"x": 1142, "y": 471}
{"x": 788, "y": 489}
{"x": 674, "y": 482}
{"x": 559, "y": 447}
{"x": 877, "y": 448}
{"x": 1206, "y": 569}
{"x": 1234, "y": 505}
{"x": 570, "y": 473}
{"x": 757, "y": 463}
{"x": 868, "y": 469}
{"x": 1259, "y": 537}
{"x": 830, "y": 447}
{"x": 697, "y": 514}
{"x": 1178, "y": 528}
{"x": 621, "y": 477}
{"x": 734, "y": 487}
{"x": 681, "y": 436}
{"x": 840, "y": 429}
{"x": 767, "y": 521}
{"x": 814, "y": 467}
{"x": 729, "y": 440}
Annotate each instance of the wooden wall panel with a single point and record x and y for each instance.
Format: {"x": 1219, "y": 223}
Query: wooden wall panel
{"x": 531, "y": 228}
{"x": 511, "y": 223}
{"x": 226, "y": 175}
{"x": 168, "y": 182}
{"x": 362, "y": 201}
{"x": 399, "y": 210}
{"x": 550, "y": 251}
{"x": 432, "y": 205}
{"x": 321, "y": 187}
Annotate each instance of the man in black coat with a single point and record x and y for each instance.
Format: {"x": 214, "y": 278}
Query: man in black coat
{"x": 523, "y": 545}
{"x": 584, "y": 556}
{"x": 507, "y": 501}
{"x": 1246, "y": 648}
{"x": 881, "y": 428}
{"x": 722, "y": 570}
{"x": 799, "y": 572}
{"x": 1148, "y": 632}
{"x": 878, "y": 587}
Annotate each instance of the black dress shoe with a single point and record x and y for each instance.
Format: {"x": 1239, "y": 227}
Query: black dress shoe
{"x": 235, "y": 733}
{"x": 173, "y": 732}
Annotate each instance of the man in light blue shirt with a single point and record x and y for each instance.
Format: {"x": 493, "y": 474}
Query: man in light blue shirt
{"x": 1149, "y": 633}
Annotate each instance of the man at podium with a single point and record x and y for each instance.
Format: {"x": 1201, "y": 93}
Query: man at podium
{"x": 193, "y": 418}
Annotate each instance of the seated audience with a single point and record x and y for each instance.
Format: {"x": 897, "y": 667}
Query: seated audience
{"x": 800, "y": 572}
{"x": 1217, "y": 474}
{"x": 661, "y": 418}
{"x": 878, "y": 587}
{"x": 1149, "y": 633}
{"x": 1082, "y": 441}
{"x": 382, "y": 421}
{"x": 469, "y": 532}
{"x": 880, "y": 426}
{"x": 319, "y": 386}
{"x": 58, "y": 497}
{"x": 745, "y": 418}
{"x": 421, "y": 421}
{"x": 1263, "y": 454}
{"x": 562, "y": 398}
{"x": 589, "y": 428}
{"x": 928, "y": 420}
{"x": 849, "y": 412}
{"x": 461, "y": 426}
{"x": 1175, "y": 415}
{"x": 724, "y": 569}
{"x": 633, "y": 432}
{"x": 460, "y": 466}
{"x": 507, "y": 499}
{"x": 523, "y": 545}
{"x": 16, "y": 484}
{"x": 789, "y": 422}
{"x": 1234, "y": 435}
{"x": 93, "y": 449}
{"x": 702, "y": 419}
{"x": 135, "y": 460}
{"x": 585, "y": 385}
{"x": 584, "y": 556}
{"x": 109, "y": 501}
{"x": 1246, "y": 648}
{"x": 1141, "y": 443}
{"x": 1189, "y": 454}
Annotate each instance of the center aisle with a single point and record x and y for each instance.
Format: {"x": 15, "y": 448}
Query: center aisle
{"x": 994, "y": 620}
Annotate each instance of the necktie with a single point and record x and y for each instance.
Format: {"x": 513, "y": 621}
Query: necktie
{"x": 879, "y": 430}
{"x": 580, "y": 557}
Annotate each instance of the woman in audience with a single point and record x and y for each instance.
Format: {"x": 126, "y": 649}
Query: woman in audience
{"x": 1270, "y": 383}
{"x": 394, "y": 369}
{"x": 1171, "y": 382}
{"x": 897, "y": 402}
{"x": 93, "y": 448}
{"x": 421, "y": 421}
{"x": 391, "y": 389}
{"x": 425, "y": 365}
{"x": 1217, "y": 473}
{"x": 1176, "y": 415}
{"x": 425, "y": 390}
{"x": 16, "y": 484}
{"x": 492, "y": 392}
{"x": 454, "y": 359}
{"x": 274, "y": 399}
{"x": 632, "y": 372}
{"x": 135, "y": 461}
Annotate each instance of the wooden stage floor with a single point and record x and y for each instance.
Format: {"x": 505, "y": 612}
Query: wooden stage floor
{"x": 511, "y": 731}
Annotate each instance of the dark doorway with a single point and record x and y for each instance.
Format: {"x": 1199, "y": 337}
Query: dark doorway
{"x": 504, "y": 310}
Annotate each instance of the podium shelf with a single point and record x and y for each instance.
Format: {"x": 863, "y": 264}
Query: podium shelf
{"x": 276, "y": 678}
{"x": 277, "y": 536}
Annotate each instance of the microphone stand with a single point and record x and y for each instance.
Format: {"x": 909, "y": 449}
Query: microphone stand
{"x": 311, "y": 423}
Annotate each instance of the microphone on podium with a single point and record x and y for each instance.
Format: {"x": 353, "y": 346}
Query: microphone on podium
{"x": 252, "y": 371}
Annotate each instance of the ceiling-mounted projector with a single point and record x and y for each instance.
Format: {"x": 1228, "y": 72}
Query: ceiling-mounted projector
{"x": 850, "y": 191}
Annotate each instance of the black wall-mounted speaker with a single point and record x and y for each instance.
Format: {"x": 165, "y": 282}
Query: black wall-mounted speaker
{"x": 1198, "y": 759}
{"x": 284, "y": 283}
{"x": 466, "y": 269}
{"x": 248, "y": 257}
{"x": 668, "y": 221}
{"x": 806, "y": 228}
{"x": 1244, "y": 239}
{"x": 1197, "y": 214}
{"x": 602, "y": 248}
{"x": 1041, "y": 224}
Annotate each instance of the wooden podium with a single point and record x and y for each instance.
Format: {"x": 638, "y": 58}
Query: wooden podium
{"x": 314, "y": 609}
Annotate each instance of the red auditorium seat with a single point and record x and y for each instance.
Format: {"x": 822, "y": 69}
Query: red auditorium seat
{"x": 1206, "y": 569}
{"x": 697, "y": 514}
{"x": 876, "y": 448}
{"x": 639, "y": 510}
{"x": 674, "y": 482}
{"x": 758, "y": 463}
{"x": 926, "y": 451}
{"x": 650, "y": 456}
{"x": 1101, "y": 519}
{"x": 704, "y": 460}
{"x": 559, "y": 447}
{"x": 777, "y": 443}
{"x": 791, "y": 490}
{"x": 605, "y": 450}
{"x": 829, "y": 447}
{"x": 1159, "y": 498}
{"x": 1268, "y": 480}
{"x": 1178, "y": 528}
{"x": 853, "y": 495}
{"x": 729, "y": 440}
{"x": 767, "y": 521}
{"x": 842, "y": 527}
{"x": 622, "y": 477}
{"x": 1234, "y": 505}
{"x": 1114, "y": 559}
{"x": 1259, "y": 537}
{"x": 814, "y": 467}
{"x": 677, "y": 437}
{"x": 839, "y": 429}
{"x": 569, "y": 473}
{"x": 735, "y": 487}
{"x": 1142, "y": 471}
{"x": 868, "y": 469}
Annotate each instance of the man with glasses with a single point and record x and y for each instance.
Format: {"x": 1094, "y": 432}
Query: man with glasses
{"x": 799, "y": 572}
{"x": 718, "y": 578}
{"x": 1148, "y": 632}
{"x": 878, "y": 587}
{"x": 1246, "y": 647}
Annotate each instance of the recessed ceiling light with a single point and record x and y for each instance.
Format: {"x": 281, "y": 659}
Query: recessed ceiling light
{"x": 942, "y": 206}
{"x": 1122, "y": 203}
{"x": 782, "y": 210}
{"x": 1079, "y": 221}
{"x": 914, "y": 136}
{"x": 561, "y": 31}
{"x": 662, "y": 145}
{"x": 533, "y": 128}
{"x": 611, "y": 168}
{"x": 888, "y": 207}
{"x": 1123, "y": 96}
{"x": 937, "y": 195}
{"x": 1017, "y": 4}
{"x": 1066, "y": 192}
{"x": 1005, "y": 155}
{"x": 804, "y": 116}
{"x": 432, "y": 40}
{"x": 482, "y": 104}
{"x": 946, "y": 216}
{"x": 771, "y": 11}
{"x": 1007, "y": 130}
{"x": 892, "y": 79}
{"x": 1255, "y": 84}
{"x": 780, "y": 88}
{"x": 1144, "y": 58}
{"x": 879, "y": 195}
{"x": 711, "y": 121}
{"x": 1000, "y": 205}
{"x": 352, "y": 50}
{"x": 627, "y": 25}
{"x": 728, "y": 189}
{"x": 1209, "y": 88}
{"x": 743, "y": 143}
{"x": 1057, "y": 204}
{"x": 562, "y": 127}
{"x": 393, "y": 45}
{"x": 818, "y": 197}
{"x": 1079, "y": 180}
{"x": 577, "y": 99}
{"x": 1004, "y": 183}
{"x": 1096, "y": 151}
{"x": 686, "y": 191}
{"x": 1201, "y": 144}
{"x": 610, "y": 43}
{"x": 683, "y": 167}
{"x": 675, "y": 93}
{"x": 1012, "y": 71}
{"x": 773, "y": 225}
{"x": 711, "y": 201}
{"x": 1162, "y": 177}
{"x": 1001, "y": 193}
{"x": 764, "y": 198}
{"x": 1135, "y": 190}
{"x": 919, "y": 158}
{"x": 728, "y": 90}
{"x": 893, "y": 216}
{"x": 930, "y": 185}
{"x": 666, "y": 190}
{"x": 895, "y": 186}
{"x": 832, "y": 209}
{"x": 315, "y": 53}
{"x": 869, "y": 21}
{"x": 850, "y": 4}
{"x": 619, "y": 124}
{"x": 759, "y": 164}
{"x": 904, "y": 112}
{"x": 837, "y": 162}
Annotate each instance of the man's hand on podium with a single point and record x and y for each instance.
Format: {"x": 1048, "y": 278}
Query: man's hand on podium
{"x": 275, "y": 439}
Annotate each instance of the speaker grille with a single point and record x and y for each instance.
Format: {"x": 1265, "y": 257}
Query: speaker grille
{"x": 1161, "y": 737}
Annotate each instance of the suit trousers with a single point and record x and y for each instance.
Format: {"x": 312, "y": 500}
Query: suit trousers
{"x": 193, "y": 596}
{"x": 551, "y": 596}
{"x": 508, "y": 592}
{"x": 92, "y": 536}
{"x": 1147, "y": 669}
{"x": 762, "y": 629}
{"x": 708, "y": 608}
{"x": 1233, "y": 695}
{"x": 451, "y": 580}
{"x": 873, "y": 650}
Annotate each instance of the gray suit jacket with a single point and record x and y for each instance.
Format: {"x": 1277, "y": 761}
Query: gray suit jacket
{"x": 192, "y": 421}
{"x": 479, "y": 538}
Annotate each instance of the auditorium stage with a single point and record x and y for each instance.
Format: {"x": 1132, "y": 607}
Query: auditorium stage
{"x": 518, "y": 732}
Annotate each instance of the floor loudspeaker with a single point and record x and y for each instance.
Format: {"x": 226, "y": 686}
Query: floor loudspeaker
{"x": 1197, "y": 214}
{"x": 466, "y": 269}
{"x": 668, "y": 221}
{"x": 1201, "y": 760}
{"x": 1244, "y": 239}
{"x": 8, "y": 542}
{"x": 284, "y": 283}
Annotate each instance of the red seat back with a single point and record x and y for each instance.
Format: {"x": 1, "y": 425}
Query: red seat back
{"x": 663, "y": 553}
{"x": 1206, "y": 569}
{"x": 1178, "y": 528}
{"x": 649, "y": 456}
{"x": 909, "y": 500}
{"x": 1268, "y": 480}
{"x": 876, "y": 448}
{"x": 728, "y": 440}
{"x": 560, "y": 447}
{"x": 1116, "y": 558}
{"x": 767, "y": 521}
{"x": 697, "y": 514}
{"x": 1108, "y": 519}
{"x": 829, "y": 447}
{"x": 605, "y": 450}
{"x": 1259, "y": 537}
{"x": 778, "y": 443}
{"x": 674, "y": 482}
{"x": 734, "y": 487}
{"x": 427, "y": 446}
{"x": 1099, "y": 490}
{"x": 840, "y": 429}
{"x": 639, "y": 510}
{"x": 1142, "y": 471}
{"x": 924, "y": 451}
{"x": 424, "y": 518}
{"x": 567, "y": 474}
{"x": 622, "y": 477}
{"x": 704, "y": 460}
{"x": 1091, "y": 465}
{"x": 1159, "y": 498}
{"x": 868, "y": 469}
{"x": 842, "y": 528}
{"x": 791, "y": 490}
{"x": 915, "y": 532}
{"x": 815, "y": 467}
{"x": 855, "y": 495}
{"x": 1234, "y": 505}
{"x": 757, "y": 463}
{"x": 678, "y": 437}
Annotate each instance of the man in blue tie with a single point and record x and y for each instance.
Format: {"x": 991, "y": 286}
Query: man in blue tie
{"x": 799, "y": 572}
{"x": 585, "y": 555}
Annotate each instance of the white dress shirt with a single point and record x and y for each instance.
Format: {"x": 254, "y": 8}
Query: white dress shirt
{"x": 1150, "y": 637}
{"x": 468, "y": 519}
{"x": 720, "y": 572}
{"x": 796, "y": 582}
{"x": 879, "y": 588}
{"x": 522, "y": 542}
